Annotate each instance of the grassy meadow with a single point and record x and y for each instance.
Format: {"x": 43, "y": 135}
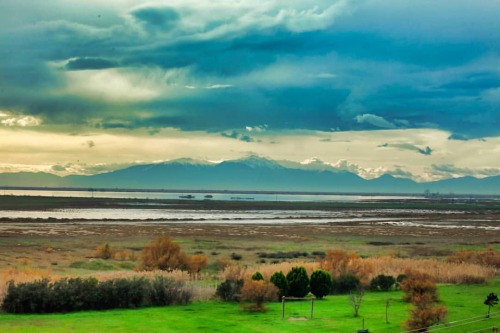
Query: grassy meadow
{"x": 466, "y": 313}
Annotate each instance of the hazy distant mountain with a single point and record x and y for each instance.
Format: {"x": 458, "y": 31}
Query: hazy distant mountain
{"x": 252, "y": 173}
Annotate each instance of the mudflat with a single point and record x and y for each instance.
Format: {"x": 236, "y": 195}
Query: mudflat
{"x": 71, "y": 228}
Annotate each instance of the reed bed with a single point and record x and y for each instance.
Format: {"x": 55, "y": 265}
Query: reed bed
{"x": 440, "y": 271}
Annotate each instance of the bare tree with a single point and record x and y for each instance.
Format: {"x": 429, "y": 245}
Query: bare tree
{"x": 355, "y": 299}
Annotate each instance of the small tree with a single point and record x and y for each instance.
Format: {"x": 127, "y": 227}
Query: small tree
{"x": 421, "y": 291}
{"x": 355, "y": 298}
{"x": 416, "y": 284}
{"x": 298, "y": 282}
{"x": 321, "y": 283}
{"x": 257, "y": 276}
{"x": 425, "y": 313}
{"x": 280, "y": 281}
{"x": 258, "y": 292}
{"x": 491, "y": 300}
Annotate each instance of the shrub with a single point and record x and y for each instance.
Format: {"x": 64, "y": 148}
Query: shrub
{"x": 257, "y": 276}
{"x": 280, "y": 281}
{"x": 28, "y": 297}
{"x": 382, "y": 283}
{"x": 124, "y": 255}
{"x": 197, "y": 263}
{"x": 233, "y": 272}
{"x": 321, "y": 283}
{"x": 298, "y": 282}
{"x": 417, "y": 284}
{"x": 77, "y": 294}
{"x": 165, "y": 291}
{"x": 236, "y": 256}
{"x": 283, "y": 255}
{"x": 163, "y": 254}
{"x": 103, "y": 252}
{"x": 229, "y": 290}
{"x": 258, "y": 292}
{"x": 345, "y": 284}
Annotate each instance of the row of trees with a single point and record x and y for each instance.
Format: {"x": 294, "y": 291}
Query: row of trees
{"x": 296, "y": 283}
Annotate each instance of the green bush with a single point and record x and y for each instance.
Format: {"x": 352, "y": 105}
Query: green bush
{"x": 382, "y": 283}
{"x": 257, "y": 276}
{"x": 345, "y": 284}
{"x": 164, "y": 291}
{"x": 77, "y": 294}
{"x": 229, "y": 290}
{"x": 321, "y": 283}
{"x": 280, "y": 281}
{"x": 298, "y": 282}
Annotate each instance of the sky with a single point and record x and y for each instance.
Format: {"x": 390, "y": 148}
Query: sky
{"x": 401, "y": 87}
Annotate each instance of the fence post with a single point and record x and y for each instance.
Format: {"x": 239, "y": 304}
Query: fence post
{"x": 312, "y": 307}
{"x": 283, "y": 307}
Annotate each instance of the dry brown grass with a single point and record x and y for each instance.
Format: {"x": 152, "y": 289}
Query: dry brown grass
{"x": 488, "y": 257}
{"x": 176, "y": 275}
{"x": 20, "y": 275}
{"x": 440, "y": 271}
{"x": 123, "y": 255}
{"x": 239, "y": 272}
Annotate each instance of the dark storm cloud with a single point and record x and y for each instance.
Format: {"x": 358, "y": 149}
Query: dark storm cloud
{"x": 219, "y": 109}
{"x": 449, "y": 170}
{"x": 158, "y": 18}
{"x": 374, "y": 70}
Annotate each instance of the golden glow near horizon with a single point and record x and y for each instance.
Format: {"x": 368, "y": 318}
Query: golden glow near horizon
{"x": 389, "y": 150}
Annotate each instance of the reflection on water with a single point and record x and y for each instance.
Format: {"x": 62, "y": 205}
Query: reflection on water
{"x": 132, "y": 216}
{"x": 173, "y": 215}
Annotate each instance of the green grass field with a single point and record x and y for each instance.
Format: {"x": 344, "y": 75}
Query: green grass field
{"x": 334, "y": 314}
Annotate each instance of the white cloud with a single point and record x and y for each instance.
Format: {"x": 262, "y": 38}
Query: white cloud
{"x": 374, "y": 120}
{"x": 219, "y": 86}
{"x": 326, "y": 76}
{"x": 19, "y": 121}
{"x": 257, "y": 129}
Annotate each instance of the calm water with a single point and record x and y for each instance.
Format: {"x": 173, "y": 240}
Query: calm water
{"x": 201, "y": 196}
{"x": 132, "y": 216}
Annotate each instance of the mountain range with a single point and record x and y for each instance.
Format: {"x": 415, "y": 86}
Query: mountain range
{"x": 249, "y": 174}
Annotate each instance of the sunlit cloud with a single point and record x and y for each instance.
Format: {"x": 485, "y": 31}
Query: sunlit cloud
{"x": 12, "y": 120}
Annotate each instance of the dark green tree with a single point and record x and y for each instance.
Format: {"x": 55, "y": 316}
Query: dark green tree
{"x": 298, "y": 282}
{"x": 280, "y": 281}
{"x": 491, "y": 300}
{"x": 257, "y": 276}
{"x": 321, "y": 283}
